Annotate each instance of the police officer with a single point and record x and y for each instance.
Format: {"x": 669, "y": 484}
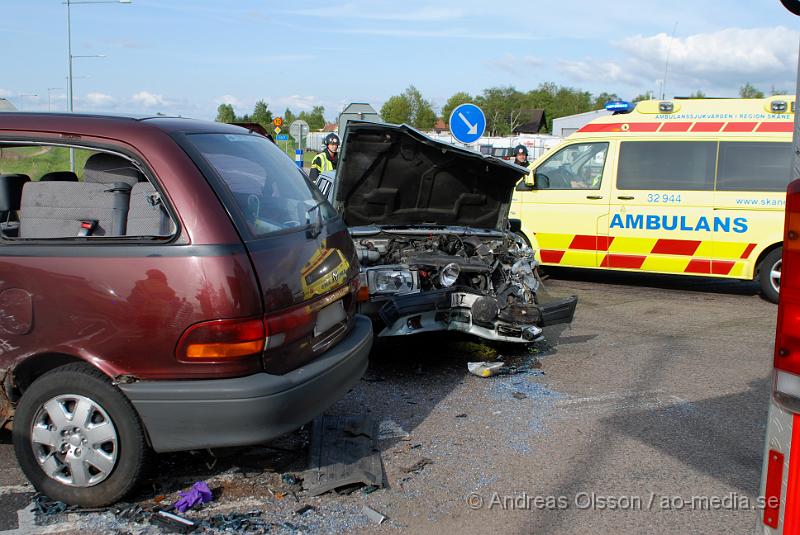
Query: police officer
{"x": 521, "y": 159}
{"x": 325, "y": 160}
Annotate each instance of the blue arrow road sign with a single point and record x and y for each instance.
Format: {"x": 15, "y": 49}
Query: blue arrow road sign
{"x": 467, "y": 123}
{"x": 282, "y": 137}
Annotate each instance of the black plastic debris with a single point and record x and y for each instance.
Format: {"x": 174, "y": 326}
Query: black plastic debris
{"x": 238, "y": 523}
{"x": 305, "y": 509}
{"x": 462, "y": 415}
{"x": 130, "y": 512}
{"x": 290, "y": 479}
{"x": 417, "y": 467}
{"x": 343, "y": 452}
{"x": 519, "y": 395}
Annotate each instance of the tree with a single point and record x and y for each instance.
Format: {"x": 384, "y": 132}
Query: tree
{"x": 396, "y": 110}
{"x": 603, "y": 98}
{"x": 315, "y": 118}
{"x": 225, "y": 114}
{"x": 421, "y": 111}
{"x": 648, "y": 95}
{"x": 262, "y": 115}
{"x": 454, "y": 102}
{"x": 288, "y": 116}
{"x": 749, "y": 91}
{"x": 499, "y": 105}
{"x": 697, "y": 94}
{"x": 774, "y": 91}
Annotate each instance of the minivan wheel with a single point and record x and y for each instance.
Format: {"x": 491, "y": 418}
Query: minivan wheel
{"x": 769, "y": 275}
{"x": 77, "y": 438}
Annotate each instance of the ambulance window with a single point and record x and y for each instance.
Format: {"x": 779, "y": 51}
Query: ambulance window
{"x": 670, "y": 165}
{"x": 748, "y": 166}
{"x": 578, "y": 166}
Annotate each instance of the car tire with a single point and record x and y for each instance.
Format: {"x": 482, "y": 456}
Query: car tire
{"x": 47, "y": 436}
{"x": 769, "y": 275}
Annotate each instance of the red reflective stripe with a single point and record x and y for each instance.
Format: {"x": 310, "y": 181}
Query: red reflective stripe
{"x": 675, "y": 247}
{"x": 740, "y": 126}
{"x": 707, "y": 127}
{"x": 608, "y": 127}
{"x": 698, "y": 266}
{"x": 791, "y": 515}
{"x": 748, "y": 250}
{"x": 721, "y": 267}
{"x": 590, "y": 243}
{"x": 782, "y": 126}
{"x": 623, "y": 261}
{"x": 551, "y": 257}
{"x": 675, "y": 127}
{"x": 643, "y": 127}
{"x": 772, "y": 489}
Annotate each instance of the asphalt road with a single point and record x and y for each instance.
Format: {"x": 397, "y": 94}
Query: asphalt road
{"x": 657, "y": 393}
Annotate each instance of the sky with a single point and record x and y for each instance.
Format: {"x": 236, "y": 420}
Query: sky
{"x": 187, "y": 57}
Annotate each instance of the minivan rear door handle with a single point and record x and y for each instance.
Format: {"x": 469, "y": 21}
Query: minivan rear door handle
{"x": 625, "y": 198}
{"x": 594, "y": 196}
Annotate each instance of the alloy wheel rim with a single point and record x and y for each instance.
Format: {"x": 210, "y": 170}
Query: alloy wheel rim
{"x": 775, "y": 275}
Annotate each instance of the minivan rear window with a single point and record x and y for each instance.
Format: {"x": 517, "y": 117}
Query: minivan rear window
{"x": 270, "y": 191}
{"x": 753, "y": 166}
{"x": 667, "y": 165}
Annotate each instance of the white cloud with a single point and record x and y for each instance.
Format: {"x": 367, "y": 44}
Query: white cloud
{"x": 519, "y": 66}
{"x": 729, "y": 55}
{"x": 594, "y": 71}
{"x": 228, "y": 99}
{"x": 148, "y": 100}
{"x": 296, "y": 103}
{"x": 5, "y": 93}
{"x": 96, "y": 99}
{"x": 716, "y": 61}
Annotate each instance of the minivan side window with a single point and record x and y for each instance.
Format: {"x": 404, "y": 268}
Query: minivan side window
{"x": 667, "y": 165}
{"x": 754, "y": 166}
{"x": 578, "y": 166}
{"x": 107, "y": 196}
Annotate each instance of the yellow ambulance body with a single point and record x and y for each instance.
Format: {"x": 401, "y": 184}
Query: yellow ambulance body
{"x": 693, "y": 187}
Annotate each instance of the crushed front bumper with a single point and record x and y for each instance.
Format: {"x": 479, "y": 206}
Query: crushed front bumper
{"x": 457, "y": 309}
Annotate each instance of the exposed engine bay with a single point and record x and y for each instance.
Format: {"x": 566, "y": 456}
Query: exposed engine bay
{"x": 437, "y": 279}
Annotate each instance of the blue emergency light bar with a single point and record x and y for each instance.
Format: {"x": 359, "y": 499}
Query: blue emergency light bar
{"x": 620, "y": 106}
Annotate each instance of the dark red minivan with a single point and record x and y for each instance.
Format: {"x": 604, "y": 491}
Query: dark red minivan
{"x": 165, "y": 284}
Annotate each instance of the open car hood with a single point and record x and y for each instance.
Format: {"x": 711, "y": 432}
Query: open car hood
{"x": 394, "y": 175}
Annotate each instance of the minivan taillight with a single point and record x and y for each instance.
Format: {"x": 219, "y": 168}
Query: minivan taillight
{"x": 222, "y": 340}
{"x": 287, "y": 326}
{"x": 787, "y": 339}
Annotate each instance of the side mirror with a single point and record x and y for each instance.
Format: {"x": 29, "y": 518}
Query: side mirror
{"x": 541, "y": 181}
{"x": 522, "y": 186}
{"x": 515, "y": 225}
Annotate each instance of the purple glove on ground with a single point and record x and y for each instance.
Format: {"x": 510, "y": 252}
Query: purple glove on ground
{"x": 199, "y": 493}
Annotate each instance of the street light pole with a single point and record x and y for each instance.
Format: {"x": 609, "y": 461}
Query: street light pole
{"x": 22, "y": 97}
{"x": 49, "y": 90}
{"x": 69, "y": 76}
{"x": 70, "y": 56}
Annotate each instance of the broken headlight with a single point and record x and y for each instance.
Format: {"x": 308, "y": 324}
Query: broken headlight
{"x": 391, "y": 281}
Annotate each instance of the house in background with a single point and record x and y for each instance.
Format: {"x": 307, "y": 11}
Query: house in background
{"x": 564, "y": 126}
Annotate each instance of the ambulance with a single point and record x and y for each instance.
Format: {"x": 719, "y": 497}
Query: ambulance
{"x": 780, "y": 479}
{"x": 682, "y": 186}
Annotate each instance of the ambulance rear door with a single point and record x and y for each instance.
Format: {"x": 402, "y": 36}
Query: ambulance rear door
{"x": 749, "y": 201}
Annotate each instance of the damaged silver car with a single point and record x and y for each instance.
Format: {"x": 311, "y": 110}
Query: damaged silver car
{"x": 431, "y": 228}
